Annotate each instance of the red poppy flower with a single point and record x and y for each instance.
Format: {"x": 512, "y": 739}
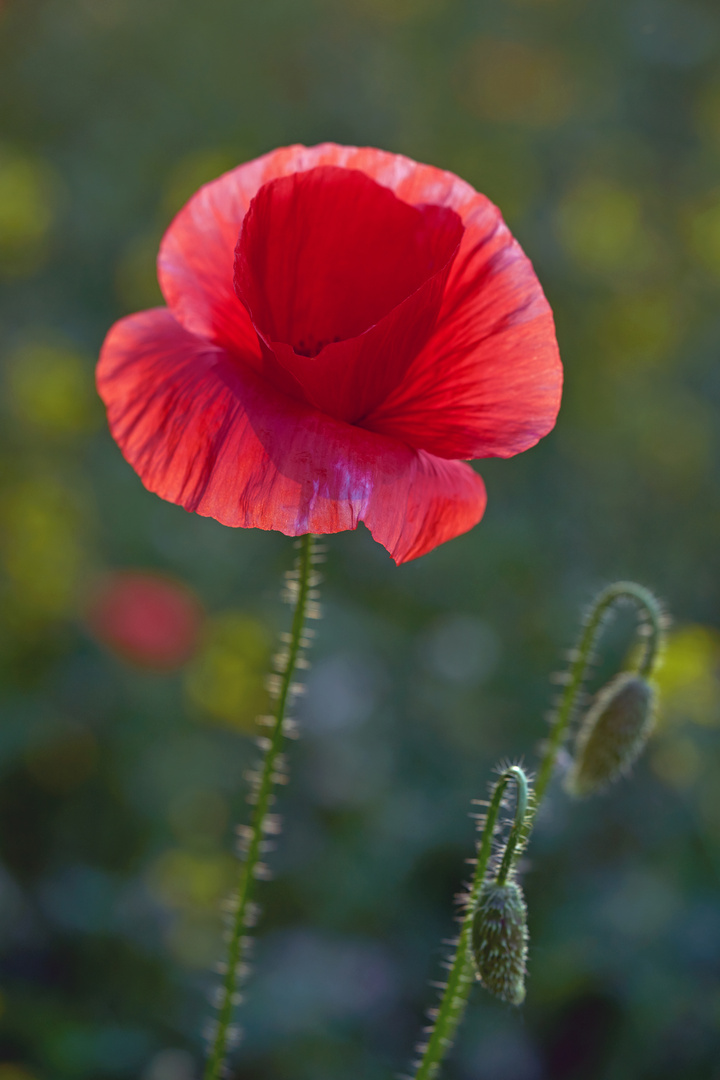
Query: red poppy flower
{"x": 343, "y": 327}
{"x": 148, "y": 620}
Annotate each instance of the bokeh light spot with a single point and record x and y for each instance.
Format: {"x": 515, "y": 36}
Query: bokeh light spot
{"x": 689, "y": 679}
{"x": 194, "y": 170}
{"x": 52, "y": 388}
{"x": 511, "y": 82}
{"x": 28, "y": 199}
{"x": 227, "y": 678}
{"x": 147, "y": 619}
{"x": 639, "y": 329}
{"x": 600, "y": 226}
{"x": 136, "y": 283}
{"x": 41, "y": 546}
{"x": 181, "y": 879}
{"x": 704, "y": 233}
{"x": 707, "y": 113}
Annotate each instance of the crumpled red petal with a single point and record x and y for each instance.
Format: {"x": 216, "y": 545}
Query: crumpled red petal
{"x": 343, "y": 282}
{"x": 202, "y": 430}
{"x": 487, "y": 382}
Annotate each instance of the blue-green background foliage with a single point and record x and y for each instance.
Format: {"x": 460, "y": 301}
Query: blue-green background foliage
{"x": 595, "y": 126}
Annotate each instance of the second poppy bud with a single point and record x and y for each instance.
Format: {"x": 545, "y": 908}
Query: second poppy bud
{"x": 612, "y": 734}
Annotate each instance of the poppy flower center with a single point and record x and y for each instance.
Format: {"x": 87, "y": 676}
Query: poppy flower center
{"x": 325, "y": 255}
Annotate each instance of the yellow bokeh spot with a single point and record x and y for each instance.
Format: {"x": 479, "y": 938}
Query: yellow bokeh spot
{"x": 511, "y": 82}
{"x": 677, "y": 762}
{"x": 136, "y": 282}
{"x": 11, "y": 1071}
{"x": 226, "y": 679}
{"x": 40, "y": 547}
{"x": 704, "y": 233}
{"x": 194, "y": 170}
{"x": 639, "y": 328}
{"x": 28, "y": 197}
{"x": 707, "y": 113}
{"x": 183, "y": 880}
{"x": 689, "y": 679}
{"x": 52, "y": 388}
{"x": 600, "y": 226}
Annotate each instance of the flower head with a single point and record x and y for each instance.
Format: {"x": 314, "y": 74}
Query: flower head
{"x": 343, "y": 327}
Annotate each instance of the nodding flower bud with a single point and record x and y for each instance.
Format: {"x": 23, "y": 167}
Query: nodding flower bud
{"x": 612, "y": 734}
{"x": 499, "y": 940}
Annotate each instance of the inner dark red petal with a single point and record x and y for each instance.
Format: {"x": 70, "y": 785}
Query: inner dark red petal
{"x": 323, "y": 255}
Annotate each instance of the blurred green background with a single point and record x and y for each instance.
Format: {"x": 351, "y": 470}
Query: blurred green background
{"x": 595, "y": 126}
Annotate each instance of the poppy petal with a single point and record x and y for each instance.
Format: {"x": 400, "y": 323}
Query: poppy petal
{"x": 489, "y": 380}
{"x": 343, "y": 282}
{"x": 195, "y": 262}
{"x": 204, "y": 431}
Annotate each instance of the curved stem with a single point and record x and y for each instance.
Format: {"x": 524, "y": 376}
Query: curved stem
{"x": 301, "y": 585}
{"x": 518, "y": 833}
{"x": 460, "y": 979}
{"x": 651, "y": 611}
{"x": 461, "y": 975}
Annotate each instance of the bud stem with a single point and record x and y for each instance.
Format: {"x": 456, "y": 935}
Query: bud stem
{"x": 519, "y": 832}
{"x": 652, "y": 617}
{"x": 460, "y": 978}
{"x": 462, "y": 975}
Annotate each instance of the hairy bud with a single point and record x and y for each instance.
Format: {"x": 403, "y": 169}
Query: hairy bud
{"x": 499, "y": 940}
{"x": 612, "y": 734}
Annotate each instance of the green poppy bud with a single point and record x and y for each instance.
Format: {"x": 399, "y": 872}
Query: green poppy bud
{"x": 499, "y": 940}
{"x": 613, "y": 733}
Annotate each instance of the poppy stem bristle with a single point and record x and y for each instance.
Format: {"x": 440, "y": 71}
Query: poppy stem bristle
{"x": 270, "y": 771}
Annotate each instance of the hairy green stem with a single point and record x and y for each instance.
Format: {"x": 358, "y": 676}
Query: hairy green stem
{"x": 519, "y": 832}
{"x": 461, "y": 974}
{"x": 302, "y": 587}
